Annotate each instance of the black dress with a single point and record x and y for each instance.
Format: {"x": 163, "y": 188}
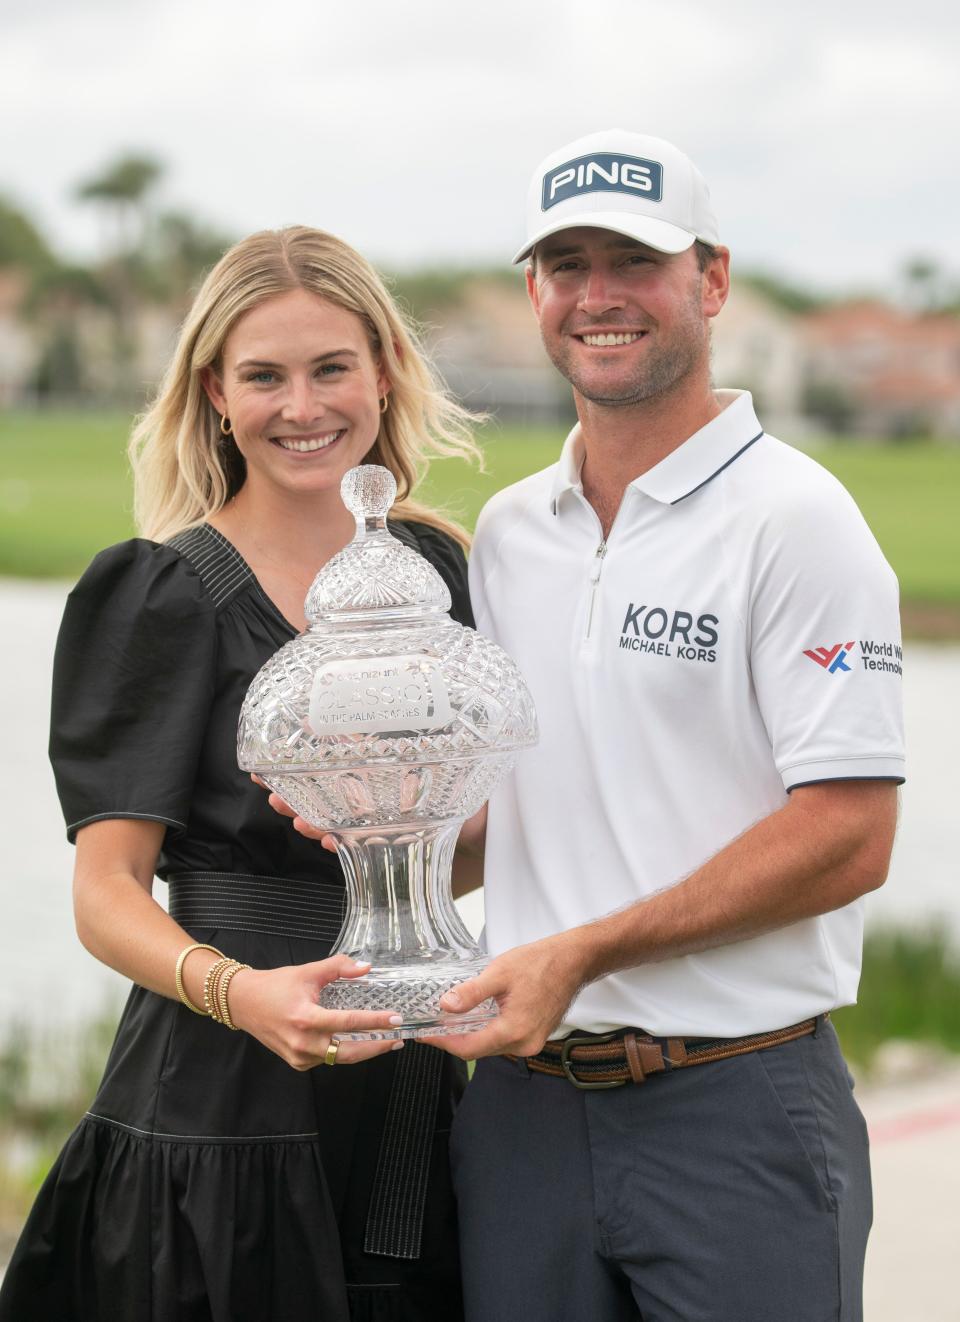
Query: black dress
{"x": 211, "y": 1182}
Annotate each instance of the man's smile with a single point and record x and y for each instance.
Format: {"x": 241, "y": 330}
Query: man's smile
{"x": 604, "y": 339}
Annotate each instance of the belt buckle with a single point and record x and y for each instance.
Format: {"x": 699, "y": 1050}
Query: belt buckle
{"x": 565, "y": 1064}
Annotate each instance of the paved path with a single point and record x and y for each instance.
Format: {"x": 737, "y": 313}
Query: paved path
{"x": 914, "y": 1249}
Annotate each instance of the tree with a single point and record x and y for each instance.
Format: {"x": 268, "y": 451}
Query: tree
{"x": 927, "y": 286}
{"x": 828, "y": 402}
{"x": 122, "y": 190}
{"x": 782, "y": 293}
{"x": 21, "y": 243}
{"x": 61, "y": 299}
{"x": 182, "y": 250}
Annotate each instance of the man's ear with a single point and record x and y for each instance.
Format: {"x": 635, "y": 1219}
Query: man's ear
{"x": 533, "y": 292}
{"x": 214, "y": 388}
{"x": 716, "y": 282}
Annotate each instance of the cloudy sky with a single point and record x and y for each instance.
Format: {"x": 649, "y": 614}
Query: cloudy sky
{"x": 410, "y": 127}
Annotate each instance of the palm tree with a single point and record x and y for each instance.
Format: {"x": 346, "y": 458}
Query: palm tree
{"x": 122, "y": 190}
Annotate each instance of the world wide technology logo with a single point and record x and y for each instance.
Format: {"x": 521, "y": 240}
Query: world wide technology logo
{"x": 886, "y": 656}
{"x": 831, "y": 658}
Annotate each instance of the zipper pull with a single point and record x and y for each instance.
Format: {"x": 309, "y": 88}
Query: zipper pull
{"x": 600, "y": 553}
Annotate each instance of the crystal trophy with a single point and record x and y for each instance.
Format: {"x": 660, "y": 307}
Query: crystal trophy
{"x": 387, "y": 724}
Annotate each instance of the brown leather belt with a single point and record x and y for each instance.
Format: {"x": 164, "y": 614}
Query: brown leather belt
{"x": 609, "y": 1060}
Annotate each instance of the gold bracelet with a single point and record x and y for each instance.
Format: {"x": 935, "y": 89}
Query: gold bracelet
{"x": 179, "y": 974}
{"x": 221, "y": 973}
{"x": 209, "y": 994}
{"x": 220, "y": 993}
{"x": 222, "y": 990}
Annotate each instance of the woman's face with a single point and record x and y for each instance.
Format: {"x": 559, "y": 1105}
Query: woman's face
{"x": 302, "y": 390}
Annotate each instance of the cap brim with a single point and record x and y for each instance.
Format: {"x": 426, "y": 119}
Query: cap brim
{"x": 648, "y": 230}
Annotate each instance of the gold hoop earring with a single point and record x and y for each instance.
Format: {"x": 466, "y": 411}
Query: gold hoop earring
{"x": 225, "y": 428}
{"x": 384, "y": 403}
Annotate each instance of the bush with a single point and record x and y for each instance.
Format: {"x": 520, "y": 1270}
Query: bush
{"x": 910, "y": 989}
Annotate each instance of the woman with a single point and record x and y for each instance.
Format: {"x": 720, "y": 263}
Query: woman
{"x": 219, "y": 1175}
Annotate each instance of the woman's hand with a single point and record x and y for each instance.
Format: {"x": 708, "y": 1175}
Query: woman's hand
{"x": 121, "y": 924}
{"x": 279, "y": 1008}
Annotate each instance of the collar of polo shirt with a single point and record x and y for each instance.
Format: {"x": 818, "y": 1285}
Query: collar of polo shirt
{"x": 687, "y": 468}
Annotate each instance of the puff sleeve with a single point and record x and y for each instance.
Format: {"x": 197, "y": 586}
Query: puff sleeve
{"x": 133, "y": 679}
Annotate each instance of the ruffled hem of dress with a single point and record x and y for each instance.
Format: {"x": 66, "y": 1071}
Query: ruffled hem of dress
{"x": 171, "y": 1230}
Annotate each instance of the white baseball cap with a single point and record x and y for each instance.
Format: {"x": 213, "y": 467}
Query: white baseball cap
{"x": 628, "y": 182}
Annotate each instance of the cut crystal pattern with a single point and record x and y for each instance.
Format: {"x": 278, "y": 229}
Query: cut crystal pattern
{"x": 376, "y": 572}
{"x": 417, "y": 999}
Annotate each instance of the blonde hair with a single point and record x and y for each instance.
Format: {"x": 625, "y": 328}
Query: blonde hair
{"x": 185, "y": 469}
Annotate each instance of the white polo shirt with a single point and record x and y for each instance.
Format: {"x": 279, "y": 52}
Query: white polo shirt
{"x": 736, "y": 636}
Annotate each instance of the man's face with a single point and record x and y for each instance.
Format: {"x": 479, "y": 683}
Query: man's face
{"x": 623, "y": 322}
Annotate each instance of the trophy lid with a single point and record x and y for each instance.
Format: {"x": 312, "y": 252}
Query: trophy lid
{"x": 375, "y": 576}
{"x": 383, "y": 683}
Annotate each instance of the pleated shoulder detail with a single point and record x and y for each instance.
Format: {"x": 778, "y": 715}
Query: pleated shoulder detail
{"x": 219, "y": 565}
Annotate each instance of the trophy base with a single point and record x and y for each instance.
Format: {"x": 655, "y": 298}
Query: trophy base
{"x": 414, "y": 993}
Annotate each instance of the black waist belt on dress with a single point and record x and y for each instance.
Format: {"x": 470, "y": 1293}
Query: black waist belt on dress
{"x": 314, "y": 910}
{"x": 241, "y": 902}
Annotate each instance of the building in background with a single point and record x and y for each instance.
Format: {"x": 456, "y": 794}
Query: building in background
{"x": 17, "y": 346}
{"x": 862, "y": 369}
{"x": 882, "y": 371}
{"x": 759, "y": 346}
{"x": 487, "y": 348}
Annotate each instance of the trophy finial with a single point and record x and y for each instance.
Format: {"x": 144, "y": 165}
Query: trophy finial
{"x": 368, "y": 492}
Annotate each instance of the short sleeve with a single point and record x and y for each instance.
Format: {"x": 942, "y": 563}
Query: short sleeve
{"x": 133, "y": 680}
{"x": 482, "y": 560}
{"x": 825, "y": 650}
{"x": 446, "y": 555}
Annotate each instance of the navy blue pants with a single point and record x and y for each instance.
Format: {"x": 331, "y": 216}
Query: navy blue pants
{"x": 737, "y": 1191}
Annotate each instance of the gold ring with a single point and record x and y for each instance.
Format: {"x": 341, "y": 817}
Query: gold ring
{"x": 331, "y": 1057}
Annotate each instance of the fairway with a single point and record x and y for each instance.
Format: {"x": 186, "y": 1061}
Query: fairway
{"x": 65, "y": 493}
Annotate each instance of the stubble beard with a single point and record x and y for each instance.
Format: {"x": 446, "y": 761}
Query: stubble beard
{"x": 665, "y": 366}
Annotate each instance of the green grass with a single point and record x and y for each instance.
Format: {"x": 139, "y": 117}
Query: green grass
{"x": 909, "y": 989}
{"x": 910, "y": 496}
{"x": 65, "y": 493}
{"x": 47, "y": 1081}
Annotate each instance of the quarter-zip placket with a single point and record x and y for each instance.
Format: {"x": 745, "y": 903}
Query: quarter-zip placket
{"x": 599, "y": 554}
{"x": 588, "y": 636}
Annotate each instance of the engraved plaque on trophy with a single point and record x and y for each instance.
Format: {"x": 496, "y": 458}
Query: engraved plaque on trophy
{"x": 387, "y": 724}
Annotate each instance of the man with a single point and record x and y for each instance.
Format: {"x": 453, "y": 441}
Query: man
{"x": 662, "y": 1126}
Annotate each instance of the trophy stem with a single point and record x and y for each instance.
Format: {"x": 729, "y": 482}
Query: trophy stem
{"x": 400, "y": 909}
{"x": 401, "y": 918}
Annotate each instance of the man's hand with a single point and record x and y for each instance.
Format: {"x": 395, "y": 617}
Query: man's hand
{"x": 827, "y": 846}
{"x": 533, "y": 986}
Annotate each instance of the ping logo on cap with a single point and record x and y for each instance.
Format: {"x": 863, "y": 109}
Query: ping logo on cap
{"x": 603, "y": 173}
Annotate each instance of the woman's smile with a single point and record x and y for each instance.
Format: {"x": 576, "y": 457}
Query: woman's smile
{"x": 309, "y": 444}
